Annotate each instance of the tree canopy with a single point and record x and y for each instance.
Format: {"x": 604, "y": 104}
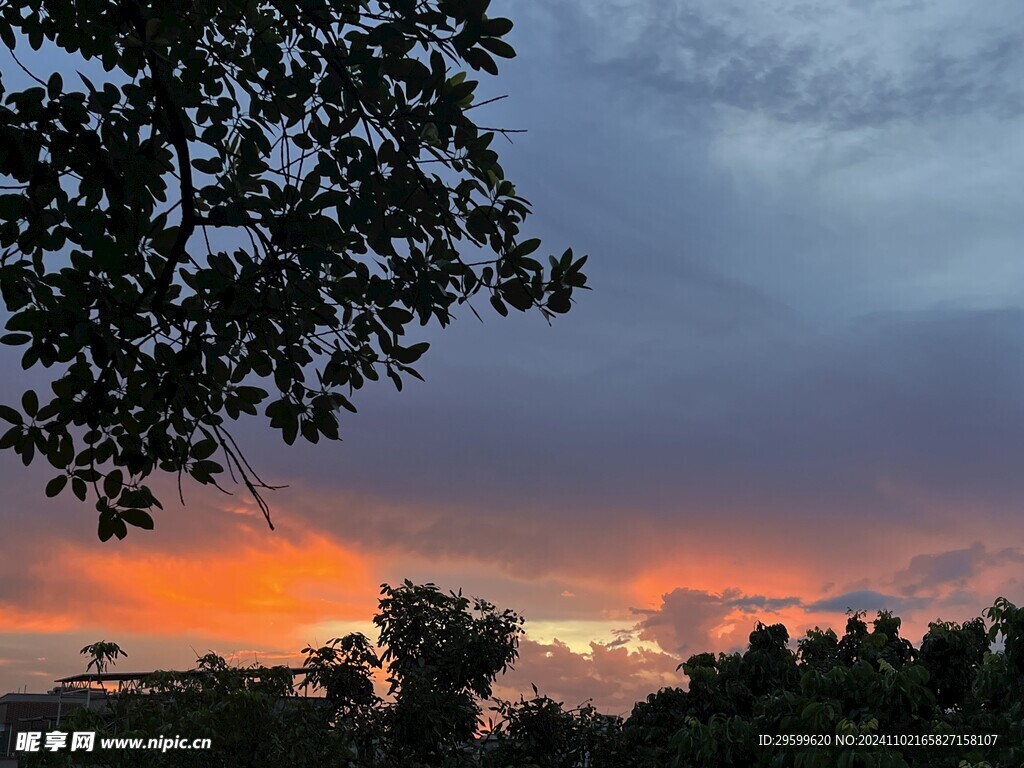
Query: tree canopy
{"x": 229, "y": 207}
{"x": 868, "y": 699}
{"x": 441, "y": 653}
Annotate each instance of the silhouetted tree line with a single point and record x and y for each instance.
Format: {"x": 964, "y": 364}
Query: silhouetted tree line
{"x": 443, "y": 651}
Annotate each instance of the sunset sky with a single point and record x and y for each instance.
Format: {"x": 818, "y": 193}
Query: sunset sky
{"x": 797, "y": 386}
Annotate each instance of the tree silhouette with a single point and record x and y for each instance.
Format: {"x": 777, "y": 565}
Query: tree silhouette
{"x": 957, "y": 703}
{"x": 236, "y": 206}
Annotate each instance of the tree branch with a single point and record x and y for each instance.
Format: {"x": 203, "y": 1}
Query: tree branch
{"x": 177, "y": 128}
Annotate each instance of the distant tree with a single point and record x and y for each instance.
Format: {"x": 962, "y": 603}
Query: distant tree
{"x": 716, "y": 685}
{"x": 443, "y": 652}
{"x": 768, "y": 664}
{"x": 647, "y": 732}
{"x": 867, "y": 683}
{"x": 953, "y": 654}
{"x": 243, "y": 205}
{"x": 542, "y": 733}
{"x": 343, "y": 670}
{"x": 849, "y": 649}
{"x": 1008, "y": 623}
{"x": 818, "y": 650}
{"x": 101, "y": 655}
{"x": 239, "y": 710}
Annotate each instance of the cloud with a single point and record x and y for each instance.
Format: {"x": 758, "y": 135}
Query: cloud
{"x": 259, "y": 587}
{"x": 615, "y": 678}
{"x": 867, "y": 600}
{"x": 963, "y": 579}
{"x": 826, "y": 423}
{"x": 926, "y": 572}
{"x": 692, "y": 621}
{"x": 837, "y": 158}
{"x": 846, "y": 64}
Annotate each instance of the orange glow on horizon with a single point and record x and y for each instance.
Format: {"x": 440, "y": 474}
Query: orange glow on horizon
{"x": 262, "y": 590}
{"x": 19, "y": 620}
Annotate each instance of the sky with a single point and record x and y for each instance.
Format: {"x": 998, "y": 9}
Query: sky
{"x": 794, "y": 390}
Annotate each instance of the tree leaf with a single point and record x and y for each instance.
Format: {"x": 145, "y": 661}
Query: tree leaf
{"x": 9, "y": 414}
{"x": 113, "y": 483}
{"x": 30, "y": 403}
{"x": 498, "y": 47}
{"x": 56, "y": 485}
{"x": 138, "y": 518}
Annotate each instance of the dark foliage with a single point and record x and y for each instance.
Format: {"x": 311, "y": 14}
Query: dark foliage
{"x": 446, "y": 651}
{"x": 240, "y": 206}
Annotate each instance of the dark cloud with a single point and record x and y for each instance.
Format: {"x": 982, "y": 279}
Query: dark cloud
{"x": 692, "y": 621}
{"x": 814, "y": 422}
{"x": 797, "y": 64}
{"x": 755, "y": 603}
{"x": 957, "y": 567}
{"x": 866, "y": 600}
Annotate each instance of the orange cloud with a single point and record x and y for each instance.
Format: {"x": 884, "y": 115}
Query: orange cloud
{"x": 261, "y": 588}
{"x": 19, "y": 620}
